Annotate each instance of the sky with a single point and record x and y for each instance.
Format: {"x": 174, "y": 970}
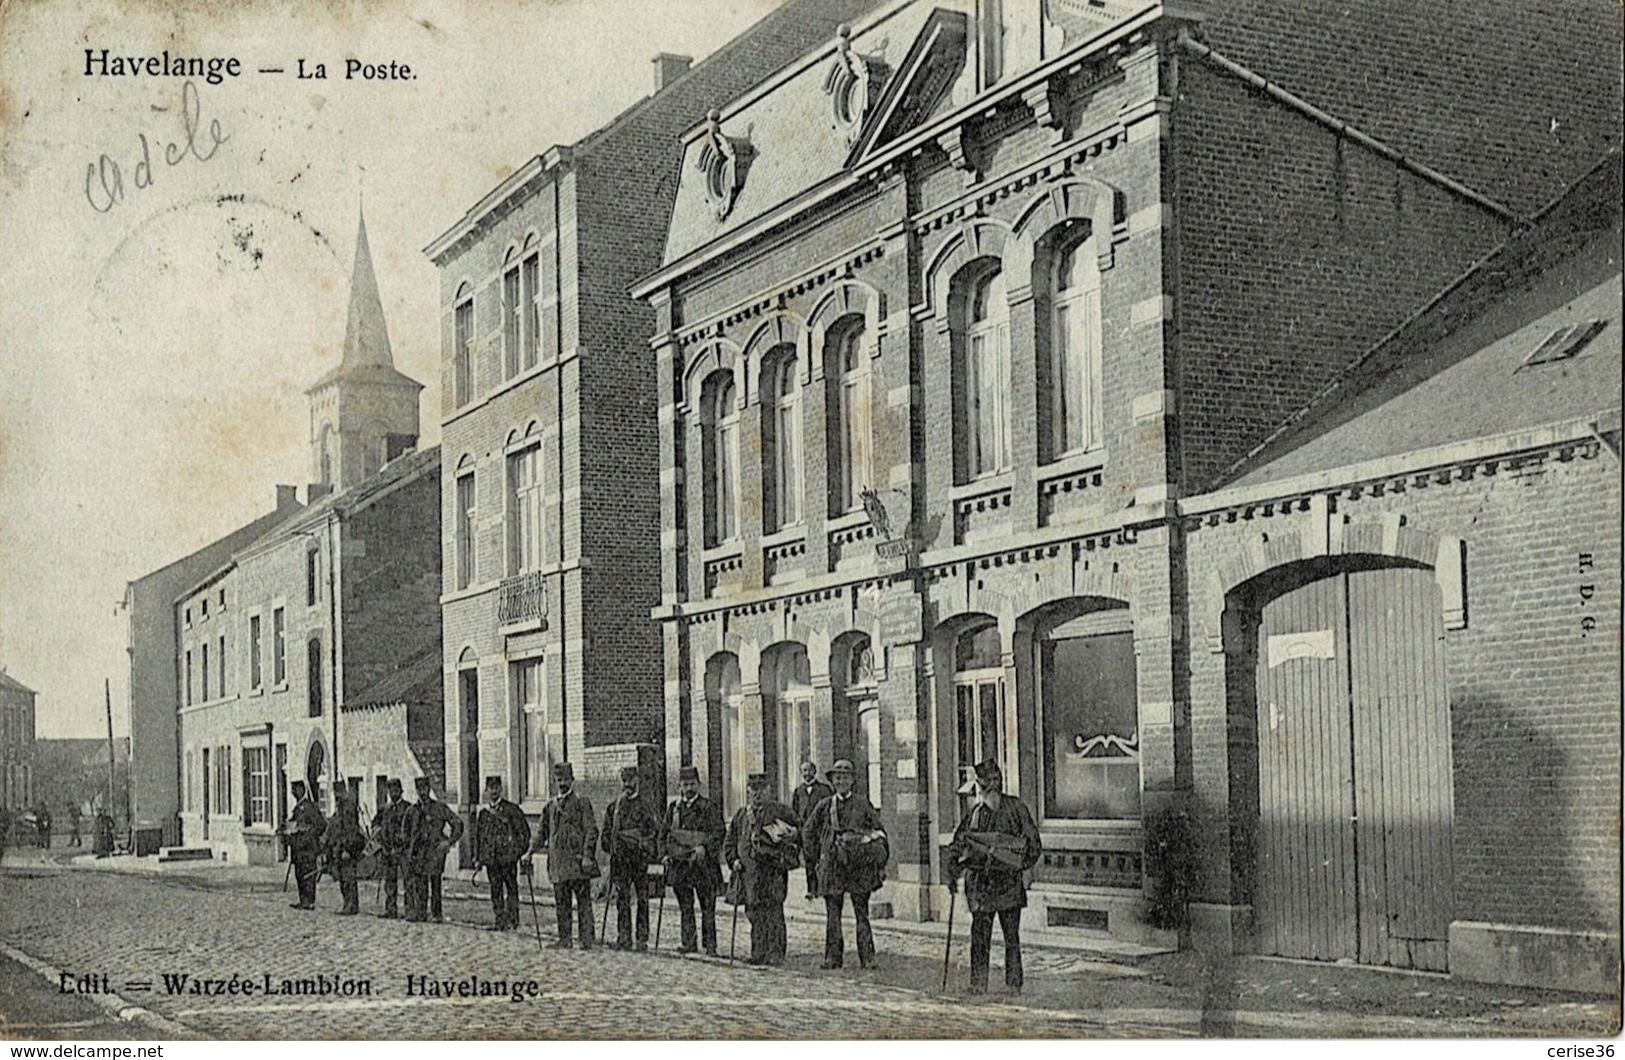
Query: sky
{"x": 174, "y": 263}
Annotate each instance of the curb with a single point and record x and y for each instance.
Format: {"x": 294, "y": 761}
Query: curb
{"x": 113, "y": 1004}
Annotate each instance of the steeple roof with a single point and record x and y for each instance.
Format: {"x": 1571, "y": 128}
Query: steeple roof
{"x": 367, "y": 356}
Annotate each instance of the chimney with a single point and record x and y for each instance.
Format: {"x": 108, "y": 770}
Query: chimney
{"x": 669, "y": 68}
{"x": 315, "y": 491}
{"x": 287, "y": 497}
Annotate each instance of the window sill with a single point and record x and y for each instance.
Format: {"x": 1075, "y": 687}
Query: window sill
{"x": 726, "y": 550}
{"x": 280, "y": 686}
{"x": 847, "y": 520}
{"x": 788, "y": 535}
{"x": 987, "y": 484}
{"x": 1072, "y": 463}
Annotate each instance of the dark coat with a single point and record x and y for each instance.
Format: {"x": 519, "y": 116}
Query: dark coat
{"x": 389, "y": 827}
{"x": 838, "y": 871}
{"x": 700, "y": 816}
{"x": 343, "y": 839}
{"x": 766, "y": 864}
{"x": 631, "y": 836}
{"x": 501, "y": 835}
{"x": 568, "y": 831}
{"x": 427, "y": 821}
{"x": 807, "y": 797}
{"x": 991, "y": 886}
{"x": 305, "y": 827}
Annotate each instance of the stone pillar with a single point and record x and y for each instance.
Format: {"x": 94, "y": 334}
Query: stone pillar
{"x": 1023, "y": 397}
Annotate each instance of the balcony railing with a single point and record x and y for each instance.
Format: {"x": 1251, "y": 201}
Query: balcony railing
{"x": 521, "y": 599}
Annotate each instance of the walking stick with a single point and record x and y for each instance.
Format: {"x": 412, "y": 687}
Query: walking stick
{"x": 609, "y": 899}
{"x": 287, "y": 874}
{"x": 660, "y": 913}
{"x": 535, "y": 914}
{"x": 948, "y": 942}
{"x": 733, "y": 933}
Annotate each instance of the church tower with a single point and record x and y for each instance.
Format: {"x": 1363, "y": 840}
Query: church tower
{"x": 363, "y": 413}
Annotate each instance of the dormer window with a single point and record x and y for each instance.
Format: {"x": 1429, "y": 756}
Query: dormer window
{"x": 722, "y": 161}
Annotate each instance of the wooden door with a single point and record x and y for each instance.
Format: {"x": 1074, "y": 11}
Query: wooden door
{"x": 1354, "y": 772}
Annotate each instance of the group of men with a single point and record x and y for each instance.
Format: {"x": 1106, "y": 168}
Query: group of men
{"x": 828, "y": 829}
{"x": 41, "y": 821}
{"x": 410, "y": 841}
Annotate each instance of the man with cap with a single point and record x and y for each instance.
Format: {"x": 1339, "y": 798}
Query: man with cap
{"x": 342, "y": 842}
{"x": 808, "y": 794}
{"x": 845, "y": 838}
{"x": 632, "y": 840}
{"x": 568, "y": 832}
{"x": 432, "y": 830}
{"x": 303, "y": 834}
{"x": 995, "y": 843}
{"x": 501, "y": 838}
{"x": 387, "y": 831}
{"x": 763, "y": 843}
{"x": 691, "y": 839}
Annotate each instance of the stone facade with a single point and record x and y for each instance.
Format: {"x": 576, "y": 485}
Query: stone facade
{"x": 16, "y": 744}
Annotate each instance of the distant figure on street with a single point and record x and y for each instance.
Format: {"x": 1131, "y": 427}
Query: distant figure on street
{"x": 501, "y": 838}
{"x": 433, "y": 831}
{"x": 845, "y": 837}
{"x": 994, "y": 844}
{"x": 808, "y": 794}
{"x": 388, "y": 831}
{"x": 304, "y": 835}
{"x": 568, "y": 832}
{"x": 763, "y": 843}
{"x": 73, "y": 822}
{"x": 691, "y": 842}
{"x": 343, "y": 841}
{"x": 632, "y": 841}
{"x": 42, "y": 826}
{"x": 104, "y": 834}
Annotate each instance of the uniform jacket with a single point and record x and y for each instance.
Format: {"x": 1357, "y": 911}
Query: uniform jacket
{"x": 806, "y": 798}
{"x": 389, "y": 827}
{"x": 631, "y": 836}
{"x": 343, "y": 839}
{"x": 702, "y": 816}
{"x": 501, "y": 834}
{"x": 820, "y": 840}
{"x": 427, "y": 821}
{"x": 766, "y": 864}
{"x": 990, "y": 886}
{"x": 569, "y": 833}
{"x": 308, "y": 824}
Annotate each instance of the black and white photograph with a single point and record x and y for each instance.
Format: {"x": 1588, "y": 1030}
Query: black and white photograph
{"x": 869, "y": 521}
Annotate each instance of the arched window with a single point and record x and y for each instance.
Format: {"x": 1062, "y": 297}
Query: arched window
{"x": 721, "y": 458}
{"x": 463, "y": 347}
{"x": 987, "y": 377}
{"x": 513, "y": 315}
{"x": 1069, "y": 394}
{"x": 324, "y": 457}
{"x": 781, "y": 427}
{"x": 846, "y": 367}
{"x": 981, "y": 712}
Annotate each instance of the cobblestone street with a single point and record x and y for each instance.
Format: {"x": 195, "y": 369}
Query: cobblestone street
{"x": 136, "y": 928}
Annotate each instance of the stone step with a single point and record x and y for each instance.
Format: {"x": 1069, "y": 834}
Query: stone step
{"x": 185, "y": 854}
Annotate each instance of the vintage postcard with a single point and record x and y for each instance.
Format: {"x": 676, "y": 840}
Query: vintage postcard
{"x": 616, "y": 519}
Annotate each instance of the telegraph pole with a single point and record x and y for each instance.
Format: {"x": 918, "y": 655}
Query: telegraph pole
{"x": 112, "y": 757}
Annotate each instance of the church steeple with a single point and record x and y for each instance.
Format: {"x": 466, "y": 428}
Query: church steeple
{"x": 363, "y": 413}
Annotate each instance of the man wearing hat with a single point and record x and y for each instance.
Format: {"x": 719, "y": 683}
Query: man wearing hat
{"x": 691, "y": 839}
{"x": 387, "y": 832}
{"x": 845, "y": 837}
{"x": 432, "y": 830}
{"x": 808, "y": 794}
{"x": 632, "y": 840}
{"x": 568, "y": 832}
{"x": 343, "y": 841}
{"x": 501, "y": 837}
{"x": 995, "y": 843}
{"x": 304, "y": 837}
{"x": 763, "y": 844}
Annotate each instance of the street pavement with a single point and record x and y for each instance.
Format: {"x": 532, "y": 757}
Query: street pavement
{"x": 235, "y": 926}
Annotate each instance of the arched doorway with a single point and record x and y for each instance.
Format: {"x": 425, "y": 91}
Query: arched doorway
{"x": 727, "y": 766}
{"x": 1343, "y": 662}
{"x": 982, "y": 715}
{"x": 856, "y": 710}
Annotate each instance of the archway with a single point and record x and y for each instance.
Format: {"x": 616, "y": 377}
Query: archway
{"x": 727, "y": 765}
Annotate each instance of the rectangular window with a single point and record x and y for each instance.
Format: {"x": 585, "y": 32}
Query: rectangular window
{"x": 530, "y": 296}
{"x": 313, "y": 569}
{"x": 547, "y": 296}
{"x": 314, "y": 692}
{"x": 256, "y": 670}
{"x": 257, "y": 785}
{"x": 463, "y": 353}
{"x": 1091, "y": 728}
{"x": 191, "y": 799}
{"x": 727, "y": 482}
{"x": 189, "y": 677}
{"x": 221, "y": 655}
{"x": 512, "y": 314}
{"x": 279, "y": 646}
{"x": 465, "y": 531}
{"x": 524, "y": 516}
{"x": 854, "y": 412}
{"x": 203, "y": 670}
{"x": 535, "y": 755}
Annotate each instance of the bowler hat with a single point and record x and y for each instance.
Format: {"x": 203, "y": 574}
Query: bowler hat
{"x": 394, "y": 784}
{"x": 688, "y": 772}
{"x": 988, "y": 772}
{"x": 629, "y": 773}
{"x": 563, "y": 771}
{"x": 756, "y": 780}
{"x": 493, "y": 783}
{"x": 842, "y": 765}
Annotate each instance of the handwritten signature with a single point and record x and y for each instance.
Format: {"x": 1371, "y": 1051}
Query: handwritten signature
{"x": 104, "y": 178}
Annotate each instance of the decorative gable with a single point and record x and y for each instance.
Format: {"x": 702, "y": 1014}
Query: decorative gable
{"x": 723, "y": 161}
{"x": 934, "y": 61}
{"x": 853, "y": 83}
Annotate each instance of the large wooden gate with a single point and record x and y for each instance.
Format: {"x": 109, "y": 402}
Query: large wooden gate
{"x": 1354, "y": 774}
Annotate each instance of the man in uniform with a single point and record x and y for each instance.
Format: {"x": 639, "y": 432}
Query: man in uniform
{"x": 568, "y": 832}
{"x": 343, "y": 841}
{"x": 387, "y": 831}
{"x": 692, "y": 841}
{"x": 632, "y": 840}
{"x": 304, "y": 835}
{"x": 763, "y": 843}
{"x": 432, "y": 831}
{"x": 501, "y": 838}
{"x": 994, "y": 844}
{"x": 808, "y": 794}
{"x": 845, "y": 838}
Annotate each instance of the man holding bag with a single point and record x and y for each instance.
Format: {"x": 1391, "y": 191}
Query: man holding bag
{"x": 762, "y": 846}
{"x": 501, "y": 838}
{"x": 631, "y": 839}
{"x": 845, "y": 836}
{"x": 568, "y": 832}
{"x": 994, "y": 845}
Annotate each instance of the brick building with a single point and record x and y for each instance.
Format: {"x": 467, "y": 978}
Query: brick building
{"x": 551, "y": 486}
{"x": 304, "y": 655}
{"x": 961, "y": 310}
{"x": 17, "y": 744}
